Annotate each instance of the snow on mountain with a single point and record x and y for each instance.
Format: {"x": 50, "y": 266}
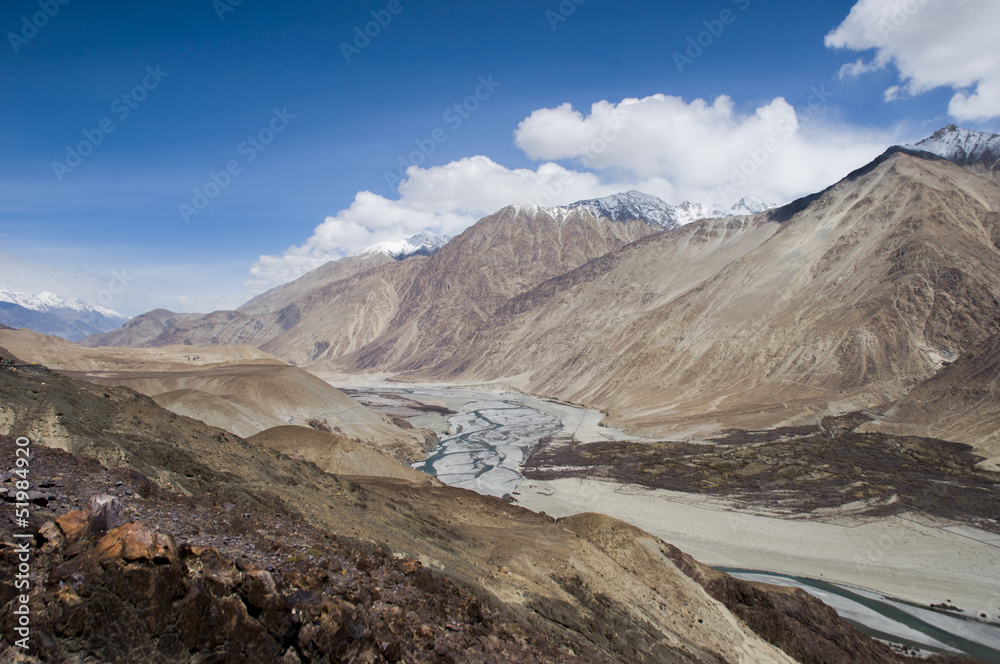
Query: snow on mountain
{"x": 634, "y": 205}
{"x": 422, "y": 244}
{"x": 46, "y": 301}
{"x": 963, "y": 146}
{"x": 49, "y": 314}
{"x": 687, "y": 212}
{"x": 631, "y": 206}
{"x": 750, "y": 205}
{"x": 624, "y": 207}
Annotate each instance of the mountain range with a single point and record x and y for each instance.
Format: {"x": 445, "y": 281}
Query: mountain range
{"x": 357, "y": 296}
{"x": 868, "y": 311}
{"x": 637, "y": 206}
{"x": 848, "y": 299}
{"x": 48, "y": 314}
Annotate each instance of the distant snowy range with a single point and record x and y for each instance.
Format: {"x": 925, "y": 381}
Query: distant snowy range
{"x": 635, "y": 205}
{"x": 47, "y": 313}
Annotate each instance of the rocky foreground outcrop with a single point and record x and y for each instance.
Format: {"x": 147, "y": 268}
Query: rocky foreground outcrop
{"x": 113, "y": 585}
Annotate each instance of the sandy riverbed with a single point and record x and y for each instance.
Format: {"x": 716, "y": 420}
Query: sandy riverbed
{"x": 910, "y": 559}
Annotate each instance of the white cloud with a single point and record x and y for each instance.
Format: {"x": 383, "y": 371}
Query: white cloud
{"x": 699, "y": 146}
{"x": 662, "y": 145}
{"x": 443, "y": 199}
{"x": 932, "y": 43}
{"x": 858, "y": 68}
{"x": 370, "y": 219}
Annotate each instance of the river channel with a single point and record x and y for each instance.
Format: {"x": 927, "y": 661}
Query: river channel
{"x": 892, "y": 620}
{"x": 491, "y": 441}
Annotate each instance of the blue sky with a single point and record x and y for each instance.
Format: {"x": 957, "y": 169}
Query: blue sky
{"x": 272, "y": 81}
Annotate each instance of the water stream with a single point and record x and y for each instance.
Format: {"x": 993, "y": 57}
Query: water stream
{"x": 491, "y": 441}
{"x": 893, "y": 620}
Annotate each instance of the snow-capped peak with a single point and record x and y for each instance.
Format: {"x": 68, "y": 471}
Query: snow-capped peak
{"x": 631, "y": 206}
{"x": 963, "y": 146}
{"x": 750, "y": 205}
{"x": 687, "y": 212}
{"x": 422, "y": 244}
{"x": 46, "y": 301}
{"x": 637, "y": 206}
{"x": 634, "y": 205}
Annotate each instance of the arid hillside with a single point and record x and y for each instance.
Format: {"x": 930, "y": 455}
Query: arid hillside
{"x": 842, "y": 301}
{"x": 237, "y": 388}
{"x": 961, "y": 402}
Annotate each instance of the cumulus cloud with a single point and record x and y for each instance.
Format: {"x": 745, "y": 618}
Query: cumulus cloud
{"x": 370, "y": 219}
{"x": 662, "y": 145}
{"x": 932, "y": 43}
{"x": 708, "y": 152}
{"x": 443, "y": 199}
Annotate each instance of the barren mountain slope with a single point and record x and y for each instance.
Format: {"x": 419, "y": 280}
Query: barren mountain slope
{"x": 498, "y": 258}
{"x": 848, "y": 304}
{"x": 961, "y": 403}
{"x": 323, "y": 276}
{"x": 564, "y": 313}
{"x": 576, "y": 590}
{"x": 342, "y": 317}
{"x": 239, "y": 389}
{"x": 330, "y": 311}
{"x": 142, "y": 329}
{"x": 337, "y": 455}
{"x": 62, "y": 355}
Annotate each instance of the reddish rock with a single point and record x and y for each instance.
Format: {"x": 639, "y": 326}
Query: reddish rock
{"x": 137, "y": 542}
{"x": 72, "y": 524}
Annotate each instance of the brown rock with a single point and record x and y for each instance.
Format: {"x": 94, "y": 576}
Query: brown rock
{"x": 49, "y": 531}
{"x": 72, "y": 524}
{"x": 137, "y": 542}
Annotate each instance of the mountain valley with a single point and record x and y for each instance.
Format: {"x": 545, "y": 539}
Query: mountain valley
{"x": 806, "y": 391}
